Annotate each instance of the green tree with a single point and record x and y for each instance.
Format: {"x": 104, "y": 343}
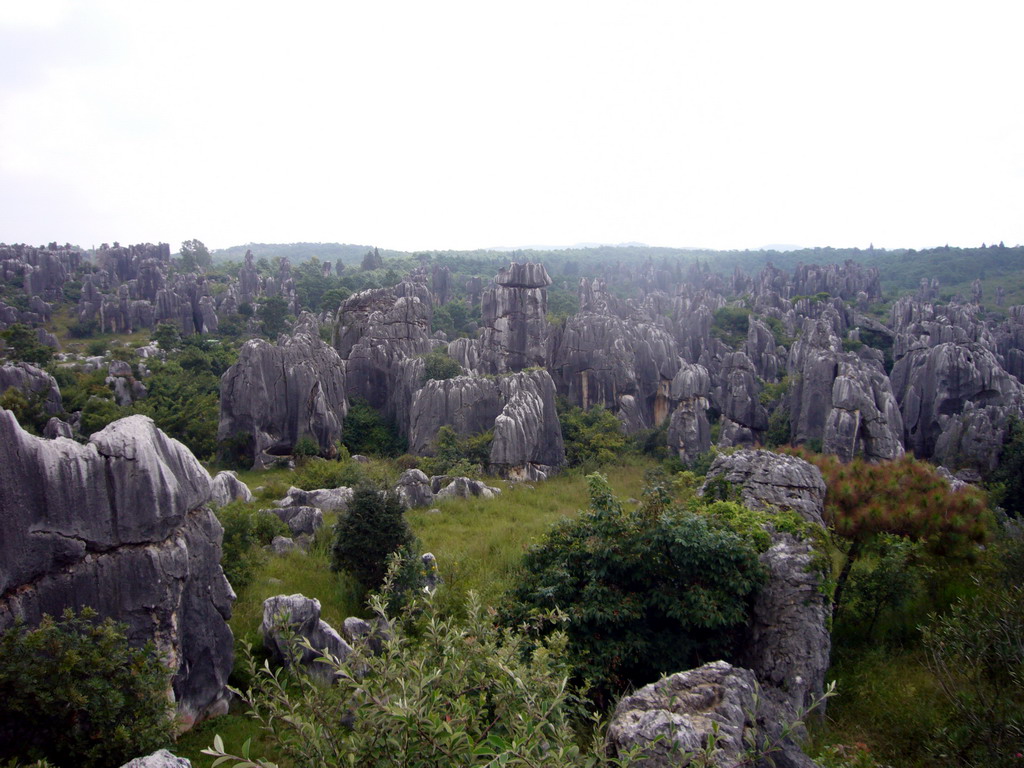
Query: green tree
{"x": 195, "y": 255}
{"x": 373, "y": 528}
{"x": 367, "y": 432}
{"x": 273, "y": 314}
{"x": 1007, "y": 481}
{"x": 904, "y": 497}
{"x": 22, "y": 345}
{"x": 72, "y": 691}
{"x": 592, "y": 438}
{"x": 439, "y": 366}
{"x": 646, "y": 591}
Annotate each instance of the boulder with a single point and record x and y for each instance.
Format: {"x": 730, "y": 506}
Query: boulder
{"x": 282, "y": 545}
{"x": 226, "y": 487}
{"x": 159, "y": 759}
{"x": 768, "y": 480}
{"x": 56, "y": 428}
{"x": 327, "y": 499}
{"x": 300, "y": 520}
{"x": 119, "y": 524}
{"x": 445, "y": 487}
{"x": 413, "y": 489}
{"x": 296, "y": 617}
{"x": 276, "y": 394}
{"x": 679, "y": 716}
{"x": 527, "y": 441}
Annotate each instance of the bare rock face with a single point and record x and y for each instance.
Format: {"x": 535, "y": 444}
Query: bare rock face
{"x": 736, "y": 391}
{"x": 469, "y": 405}
{"x": 956, "y": 400}
{"x": 840, "y": 398}
{"x": 680, "y": 713}
{"x": 527, "y": 441}
{"x": 514, "y": 320}
{"x": 119, "y": 525}
{"x": 299, "y": 615}
{"x": 276, "y": 394}
{"x": 32, "y": 381}
{"x": 689, "y": 433}
{"x": 300, "y": 520}
{"x": 446, "y": 487}
{"x": 326, "y": 499}
{"x": 226, "y": 487}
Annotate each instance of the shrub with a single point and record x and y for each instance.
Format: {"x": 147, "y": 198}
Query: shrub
{"x": 305, "y": 447}
{"x": 439, "y": 366}
{"x": 246, "y": 531}
{"x": 456, "y": 454}
{"x": 369, "y": 433}
{"x": 373, "y": 528}
{"x": 23, "y": 345}
{"x": 441, "y": 692}
{"x": 731, "y": 324}
{"x": 645, "y": 591}
{"x": 73, "y": 692}
{"x": 592, "y": 438}
{"x": 322, "y": 473}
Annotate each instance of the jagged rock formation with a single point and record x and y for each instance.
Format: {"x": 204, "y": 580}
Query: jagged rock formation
{"x": 276, "y": 394}
{"x": 413, "y": 489}
{"x": 514, "y": 325}
{"x": 300, "y": 520}
{"x": 381, "y": 335}
{"x": 299, "y": 616}
{"x": 226, "y": 487}
{"x": 681, "y": 713}
{"x": 33, "y": 382}
{"x": 788, "y": 643}
{"x": 119, "y": 524}
{"x": 326, "y": 499}
{"x": 467, "y": 404}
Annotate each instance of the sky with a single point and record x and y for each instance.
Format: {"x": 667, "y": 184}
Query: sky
{"x": 459, "y": 125}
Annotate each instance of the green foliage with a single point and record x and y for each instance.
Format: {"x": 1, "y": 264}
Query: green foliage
{"x": 592, "y": 438}
{"x": 1008, "y": 478}
{"x": 454, "y": 318}
{"x": 976, "y": 652}
{"x": 439, "y": 366}
{"x": 306, "y": 447}
{"x": 167, "y": 336}
{"x": 29, "y": 409}
{"x": 646, "y": 591}
{"x": 273, "y": 315}
{"x": 773, "y": 392}
{"x": 246, "y": 532}
{"x": 369, "y": 433}
{"x": 881, "y": 341}
{"x": 373, "y": 528}
{"x": 22, "y": 345}
{"x": 442, "y": 692}
{"x": 562, "y": 304}
{"x": 889, "y": 578}
{"x": 324, "y": 473}
{"x": 456, "y": 454}
{"x": 194, "y": 254}
{"x": 778, "y": 331}
{"x": 73, "y": 692}
{"x": 731, "y": 324}
{"x": 82, "y": 330}
{"x": 779, "y": 430}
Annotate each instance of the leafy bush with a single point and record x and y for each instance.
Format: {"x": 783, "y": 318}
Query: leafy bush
{"x": 367, "y": 432}
{"x": 1008, "y": 478}
{"x": 22, "y": 345}
{"x": 373, "y": 528}
{"x": 322, "y": 473}
{"x": 306, "y": 447}
{"x": 442, "y": 692}
{"x": 456, "y": 454}
{"x": 592, "y": 438}
{"x": 73, "y": 692}
{"x": 439, "y": 366}
{"x": 29, "y": 409}
{"x": 731, "y": 325}
{"x": 645, "y": 591}
{"x": 246, "y": 531}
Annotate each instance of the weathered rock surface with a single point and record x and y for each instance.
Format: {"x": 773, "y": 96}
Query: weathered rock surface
{"x": 226, "y": 487}
{"x": 327, "y": 499}
{"x": 446, "y": 487}
{"x": 680, "y": 714}
{"x": 119, "y": 525}
{"x": 766, "y": 480}
{"x": 527, "y": 436}
{"x": 159, "y": 759}
{"x": 32, "y": 382}
{"x": 514, "y": 325}
{"x": 276, "y": 394}
{"x": 300, "y": 520}
{"x": 413, "y": 489}
{"x": 299, "y": 616}
{"x": 469, "y": 405}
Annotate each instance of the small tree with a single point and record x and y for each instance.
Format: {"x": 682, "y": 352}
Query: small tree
{"x": 904, "y": 497}
{"x": 439, "y": 366}
{"x": 373, "y": 528}
{"x": 195, "y": 254}
{"x": 73, "y": 692}
{"x": 23, "y": 345}
{"x": 647, "y": 591}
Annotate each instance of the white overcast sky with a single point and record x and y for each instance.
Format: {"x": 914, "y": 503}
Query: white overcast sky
{"x": 436, "y": 124}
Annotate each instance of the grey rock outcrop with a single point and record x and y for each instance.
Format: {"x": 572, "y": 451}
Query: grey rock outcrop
{"x": 299, "y": 616}
{"x": 527, "y": 441}
{"x": 469, "y": 405}
{"x": 33, "y": 382}
{"x": 57, "y": 428}
{"x": 689, "y": 432}
{"x": 300, "y": 520}
{"x": 276, "y": 394}
{"x": 956, "y": 401}
{"x": 413, "y": 489}
{"x": 514, "y": 327}
{"x": 445, "y": 487}
{"x": 159, "y": 759}
{"x": 680, "y": 714}
{"x": 226, "y": 487}
{"x": 326, "y": 499}
{"x": 766, "y": 480}
{"x": 119, "y": 525}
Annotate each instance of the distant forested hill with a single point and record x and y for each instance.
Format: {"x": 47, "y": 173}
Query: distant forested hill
{"x": 295, "y": 252}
